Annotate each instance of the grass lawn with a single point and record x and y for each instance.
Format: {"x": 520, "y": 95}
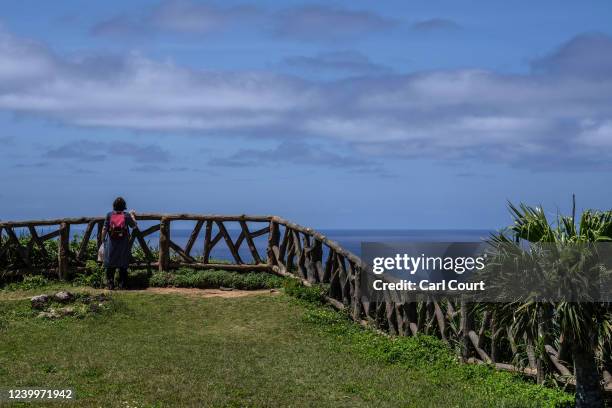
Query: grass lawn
{"x": 176, "y": 350}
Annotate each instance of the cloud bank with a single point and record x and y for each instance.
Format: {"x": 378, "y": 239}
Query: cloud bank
{"x": 326, "y": 23}
{"x": 296, "y": 153}
{"x": 345, "y": 62}
{"x": 559, "y": 113}
{"x": 435, "y": 24}
{"x": 178, "y": 16}
{"x": 86, "y": 150}
{"x": 303, "y": 23}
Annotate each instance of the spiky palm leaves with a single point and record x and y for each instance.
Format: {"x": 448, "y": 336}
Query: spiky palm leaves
{"x": 571, "y": 268}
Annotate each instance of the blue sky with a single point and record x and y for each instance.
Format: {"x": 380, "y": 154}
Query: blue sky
{"x": 332, "y": 114}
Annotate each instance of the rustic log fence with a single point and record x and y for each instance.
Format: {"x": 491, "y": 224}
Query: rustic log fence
{"x": 300, "y": 252}
{"x": 68, "y": 260}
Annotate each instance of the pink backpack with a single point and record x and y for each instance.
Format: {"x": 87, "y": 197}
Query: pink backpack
{"x": 117, "y": 227}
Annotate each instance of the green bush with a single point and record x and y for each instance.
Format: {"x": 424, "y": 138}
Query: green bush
{"x": 37, "y": 256}
{"x": 28, "y": 282}
{"x": 41, "y": 260}
{"x": 189, "y": 278}
{"x": 93, "y": 276}
{"x": 91, "y": 250}
{"x": 314, "y": 294}
{"x": 138, "y": 255}
{"x": 161, "y": 279}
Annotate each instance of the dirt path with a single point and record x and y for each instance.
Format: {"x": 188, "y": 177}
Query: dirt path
{"x": 204, "y": 293}
{"x": 209, "y": 292}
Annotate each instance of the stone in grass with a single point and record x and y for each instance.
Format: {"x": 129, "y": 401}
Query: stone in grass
{"x": 63, "y": 296}
{"x": 40, "y": 301}
{"x": 57, "y": 313}
{"x": 66, "y": 311}
{"x": 51, "y": 314}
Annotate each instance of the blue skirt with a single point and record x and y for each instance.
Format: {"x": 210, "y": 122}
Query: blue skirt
{"x": 117, "y": 252}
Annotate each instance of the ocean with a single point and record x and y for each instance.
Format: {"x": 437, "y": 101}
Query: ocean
{"x": 349, "y": 239}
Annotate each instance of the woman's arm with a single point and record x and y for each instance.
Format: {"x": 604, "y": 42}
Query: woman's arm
{"x": 133, "y": 217}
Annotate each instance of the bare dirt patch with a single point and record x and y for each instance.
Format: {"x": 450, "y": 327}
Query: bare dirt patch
{"x": 234, "y": 293}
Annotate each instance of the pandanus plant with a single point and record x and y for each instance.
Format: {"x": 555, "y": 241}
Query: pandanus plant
{"x": 581, "y": 326}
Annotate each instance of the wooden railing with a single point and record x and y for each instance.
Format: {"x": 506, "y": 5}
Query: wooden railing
{"x": 473, "y": 327}
{"x": 22, "y": 248}
{"x": 300, "y": 252}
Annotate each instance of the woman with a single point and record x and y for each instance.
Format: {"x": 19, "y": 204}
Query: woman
{"x": 116, "y": 237}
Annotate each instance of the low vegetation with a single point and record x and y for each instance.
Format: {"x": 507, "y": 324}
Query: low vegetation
{"x": 94, "y": 276}
{"x": 189, "y": 278}
{"x": 423, "y": 353}
{"x": 47, "y": 258}
{"x": 156, "y": 350}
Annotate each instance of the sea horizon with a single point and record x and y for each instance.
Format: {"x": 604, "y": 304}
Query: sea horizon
{"x": 347, "y": 238}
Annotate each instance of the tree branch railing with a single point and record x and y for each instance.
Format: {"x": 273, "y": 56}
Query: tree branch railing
{"x": 69, "y": 259}
{"x": 302, "y": 253}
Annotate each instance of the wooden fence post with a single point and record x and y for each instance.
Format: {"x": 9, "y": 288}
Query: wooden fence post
{"x": 273, "y": 241}
{"x": 63, "y": 251}
{"x": 99, "y": 237}
{"x": 356, "y": 271}
{"x": 164, "y": 244}
{"x": 465, "y": 325}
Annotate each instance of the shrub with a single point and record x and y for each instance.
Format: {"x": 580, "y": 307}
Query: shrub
{"x": 91, "y": 250}
{"x": 139, "y": 255}
{"x": 189, "y": 278}
{"x": 161, "y": 279}
{"x": 28, "y": 282}
{"x": 40, "y": 260}
{"x": 37, "y": 256}
{"x": 314, "y": 294}
{"x": 93, "y": 276}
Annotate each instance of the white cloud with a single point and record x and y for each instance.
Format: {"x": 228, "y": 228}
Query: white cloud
{"x": 460, "y": 113}
{"x": 596, "y": 134}
{"x": 23, "y": 60}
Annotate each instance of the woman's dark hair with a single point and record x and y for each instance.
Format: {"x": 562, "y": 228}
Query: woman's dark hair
{"x": 119, "y": 204}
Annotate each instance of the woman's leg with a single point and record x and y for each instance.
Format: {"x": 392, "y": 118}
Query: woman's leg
{"x": 122, "y": 278}
{"x": 110, "y": 277}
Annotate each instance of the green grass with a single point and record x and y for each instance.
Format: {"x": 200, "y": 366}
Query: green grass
{"x": 189, "y": 278}
{"x": 173, "y": 350}
{"x": 95, "y": 277}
